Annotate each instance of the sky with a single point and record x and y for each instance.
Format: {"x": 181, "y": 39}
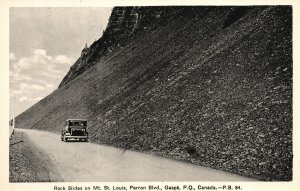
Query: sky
{"x": 44, "y": 43}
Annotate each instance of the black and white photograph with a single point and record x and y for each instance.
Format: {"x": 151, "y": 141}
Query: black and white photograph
{"x": 151, "y": 93}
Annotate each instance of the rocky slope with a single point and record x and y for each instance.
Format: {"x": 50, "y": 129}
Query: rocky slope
{"x": 123, "y": 25}
{"x": 207, "y": 85}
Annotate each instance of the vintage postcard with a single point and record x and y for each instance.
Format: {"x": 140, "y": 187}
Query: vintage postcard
{"x": 151, "y": 95}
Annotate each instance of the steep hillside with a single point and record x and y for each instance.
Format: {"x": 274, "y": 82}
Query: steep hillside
{"x": 207, "y": 85}
{"x": 123, "y": 25}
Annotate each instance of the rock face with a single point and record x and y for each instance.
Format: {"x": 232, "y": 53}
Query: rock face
{"x": 123, "y": 25}
{"x": 207, "y": 85}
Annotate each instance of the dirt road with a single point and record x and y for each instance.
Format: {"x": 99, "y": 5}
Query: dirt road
{"x": 27, "y": 163}
{"x": 81, "y": 161}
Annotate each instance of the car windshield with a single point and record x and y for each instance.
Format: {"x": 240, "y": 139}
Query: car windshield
{"x": 77, "y": 123}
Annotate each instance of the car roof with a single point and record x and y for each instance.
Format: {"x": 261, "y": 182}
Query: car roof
{"x": 76, "y": 120}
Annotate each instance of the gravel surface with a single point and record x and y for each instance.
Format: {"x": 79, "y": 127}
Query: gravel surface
{"x": 27, "y": 163}
{"x": 88, "y": 162}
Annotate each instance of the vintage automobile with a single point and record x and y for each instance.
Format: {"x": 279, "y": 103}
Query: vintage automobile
{"x": 75, "y": 129}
